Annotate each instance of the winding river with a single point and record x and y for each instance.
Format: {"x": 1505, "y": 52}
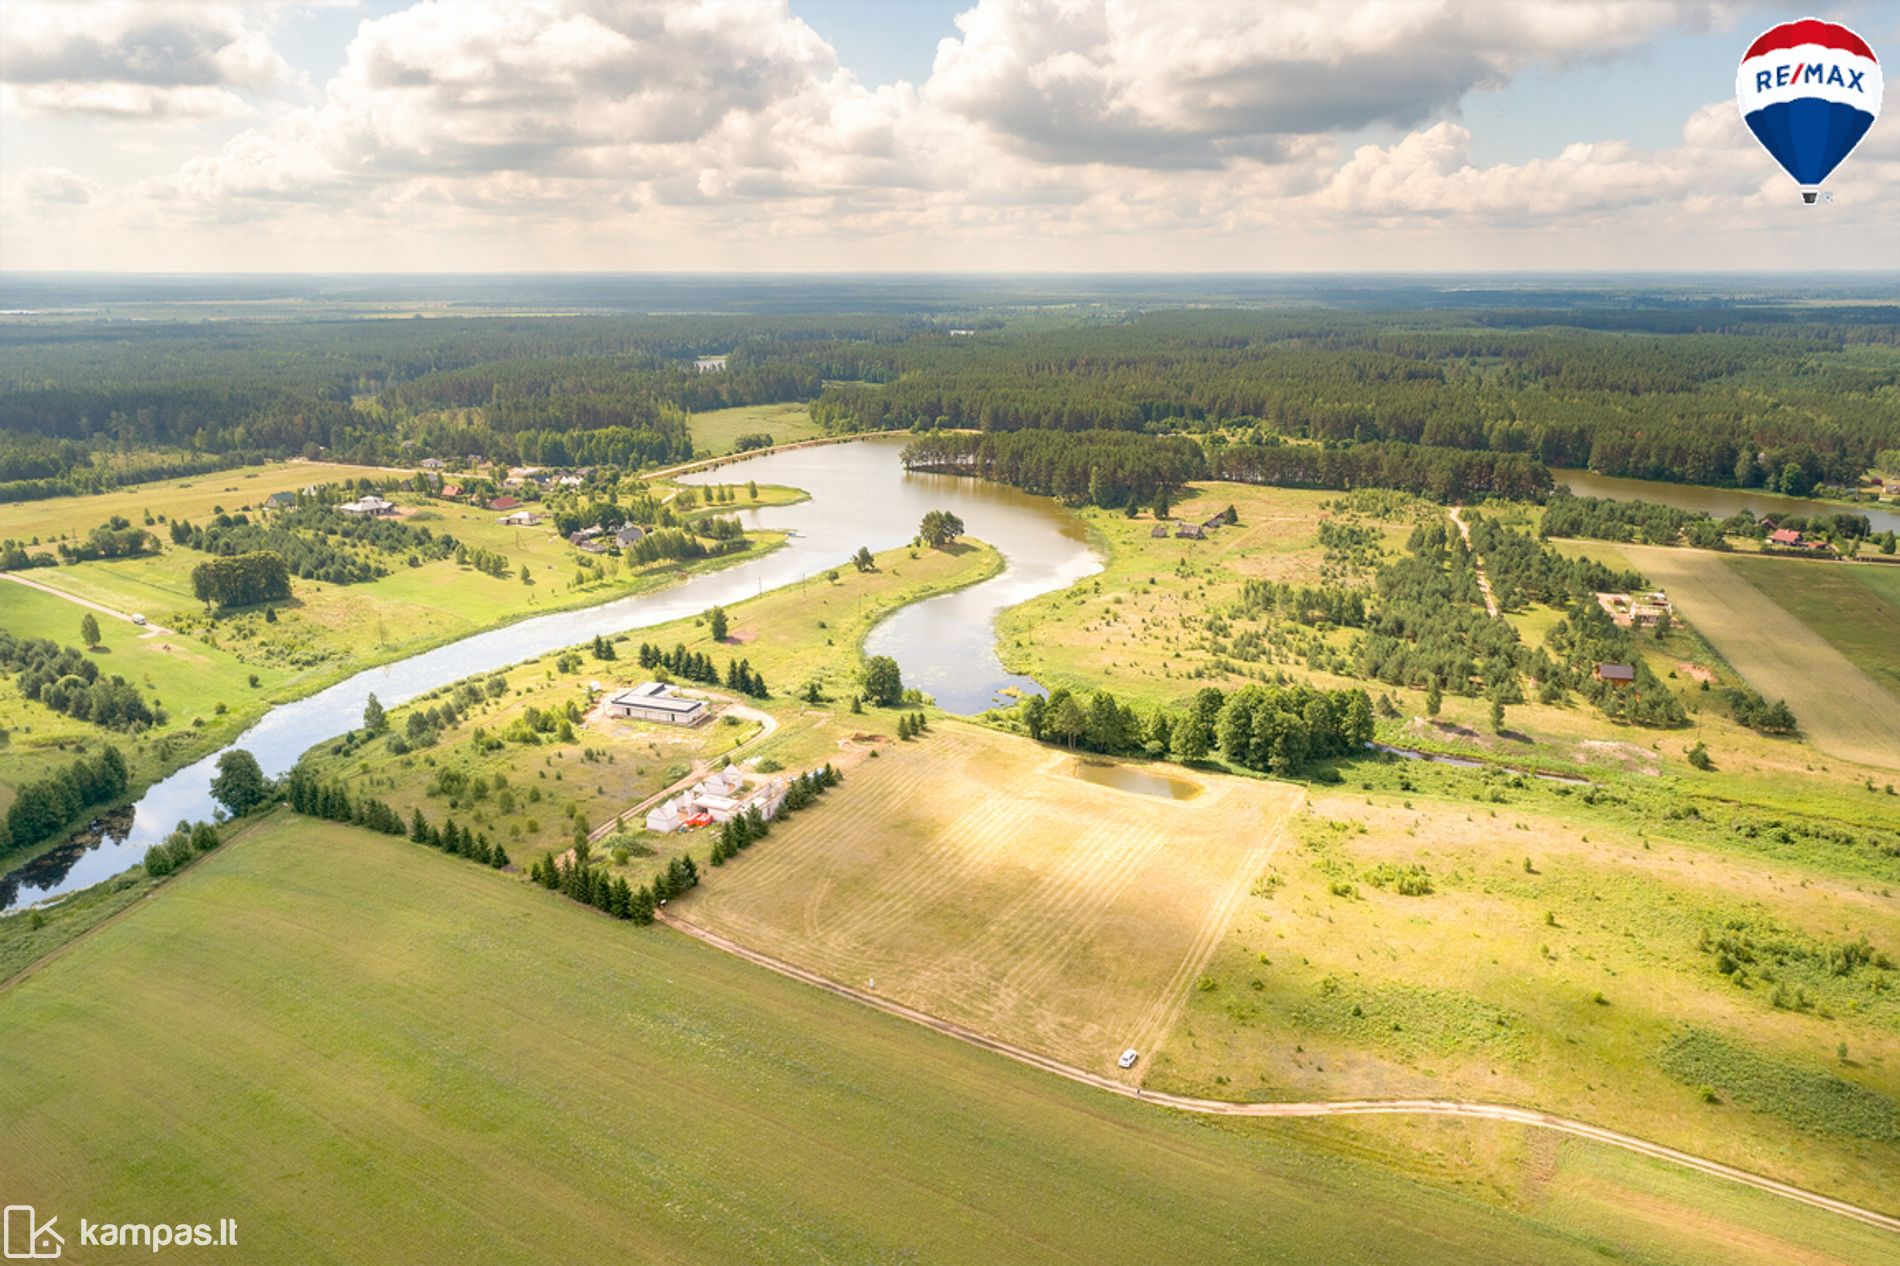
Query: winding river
{"x": 860, "y": 495}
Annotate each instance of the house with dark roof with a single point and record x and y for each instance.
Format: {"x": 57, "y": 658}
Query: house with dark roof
{"x": 1616, "y": 674}
{"x": 1160, "y": 532}
{"x": 1192, "y": 532}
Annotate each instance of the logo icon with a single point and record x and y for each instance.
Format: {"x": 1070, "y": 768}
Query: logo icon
{"x": 26, "y": 1238}
{"x": 1809, "y": 90}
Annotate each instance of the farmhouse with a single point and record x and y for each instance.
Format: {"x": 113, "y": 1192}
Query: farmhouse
{"x": 280, "y": 501}
{"x": 1160, "y": 532}
{"x": 719, "y": 798}
{"x": 1192, "y": 532}
{"x": 369, "y": 506}
{"x": 504, "y": 502}
{"x": 432, "y": 463}
{"x": 653, "y": 701}
{"x": 1646, "y": 609}
{"x": 1616, "y": 674}
{"x": 629, "y": 535}
{"x": 520, "y": 518}
{"x": 451, "y": 491}
{"x": 1784, "y": 536}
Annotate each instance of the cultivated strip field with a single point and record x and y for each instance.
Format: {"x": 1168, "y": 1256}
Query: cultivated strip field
{"x": 369, "y": 1052}
{"x": 1842, "y": 710}
{"x": 972, "y": 876}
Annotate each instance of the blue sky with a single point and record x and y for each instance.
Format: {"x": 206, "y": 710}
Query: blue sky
{"x": 788, "y": 134}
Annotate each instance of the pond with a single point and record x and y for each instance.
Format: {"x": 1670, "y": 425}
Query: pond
{"x": 1134, "y": 778}
{"x": 860, "y": 496}
{"x": 1718, "y": 503}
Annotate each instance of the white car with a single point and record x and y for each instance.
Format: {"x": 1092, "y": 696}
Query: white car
{"x": 1128, "y": 1058}
{"x": 138, "y": 619}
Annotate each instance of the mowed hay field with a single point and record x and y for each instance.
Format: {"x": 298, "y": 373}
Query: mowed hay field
{"x": 971, "y": 876}
{"x": 1842, "y": 710}
{"x": 193, "y": 497}
{"x": 716, "y": 431}
{"x": 368, "y": 1052}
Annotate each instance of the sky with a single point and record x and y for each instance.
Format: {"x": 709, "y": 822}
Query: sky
{"x": 911, "y": 135}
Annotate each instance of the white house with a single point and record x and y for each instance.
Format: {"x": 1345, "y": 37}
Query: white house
{"x": 520, "y": 518}
{"x": 720, "y": 797}
{"x": 652, "y": 701}
{"x": 369, "y": 506}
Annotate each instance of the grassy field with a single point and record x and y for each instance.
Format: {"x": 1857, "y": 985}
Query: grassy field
{"x": 1842, "y": 710}
{"x": 716, "y": 431}
{"x": 194, "y": 497}
{"x": 337, "y": 628}
{"x": 1561, "y": 961}
{"x": 799, "y": 634}
{"x": 188, "y": 678}
{"x": 1855, "y": 609}
{"x": 366, "y": 1052}
{"x": 1139, "y": 627}
{"x": 973, "y": 875}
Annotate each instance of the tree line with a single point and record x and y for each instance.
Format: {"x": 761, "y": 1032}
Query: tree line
{"x": 698, "y": 666}
{"x": 45, "y": 806}
{"x": 1282, "y": 729}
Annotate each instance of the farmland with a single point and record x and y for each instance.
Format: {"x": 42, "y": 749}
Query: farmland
{"x": 195, "y": 497}
{"x": 1841, "y": 707}
{"x": 589, "y": 1092}
{"x": 975, "y": 876}
{"x": 716, "y": 432}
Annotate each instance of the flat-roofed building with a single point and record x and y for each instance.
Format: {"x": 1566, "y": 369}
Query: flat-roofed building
{"x": 652, "y": 701}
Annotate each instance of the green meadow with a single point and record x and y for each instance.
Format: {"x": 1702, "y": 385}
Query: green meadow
{"x": 368, "y": 1052}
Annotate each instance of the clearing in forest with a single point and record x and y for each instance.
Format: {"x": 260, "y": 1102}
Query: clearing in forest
{"x": 972, "y": 875}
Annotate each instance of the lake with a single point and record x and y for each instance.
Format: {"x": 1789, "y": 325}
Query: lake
{"x": 1719, "y": 503}
{"x": 860, "y": 496}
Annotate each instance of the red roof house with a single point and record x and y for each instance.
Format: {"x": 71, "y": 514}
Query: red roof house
{"x": 1784, "y": 536}
{"x": 504, "y": 503}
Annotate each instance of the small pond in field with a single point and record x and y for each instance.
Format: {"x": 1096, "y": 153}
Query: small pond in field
{"x": 1133, "y": 778}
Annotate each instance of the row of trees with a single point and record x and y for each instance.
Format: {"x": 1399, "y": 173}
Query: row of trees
{"x": 44, "y": 807}
{"x": 1090, "y": 467}
{"x": 743, "y": 831}
{"x": 185, "y": 845}
{"x": 699, "y": 666}
{"x": 1281, "y": 729}
{"x": 575, "y": 877}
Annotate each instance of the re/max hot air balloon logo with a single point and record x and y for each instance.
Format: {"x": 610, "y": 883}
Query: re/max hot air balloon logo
{"x": 1809, "y": 90}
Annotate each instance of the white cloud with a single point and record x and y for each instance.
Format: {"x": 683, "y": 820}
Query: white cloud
{"x": 58, "y": 185}
{"x": 617, "y": 133}
{"x": 136, "y": 59}
{"x": 1170, "y": 83}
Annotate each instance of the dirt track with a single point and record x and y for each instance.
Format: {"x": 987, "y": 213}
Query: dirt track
{"x": 1341, "y": 1107}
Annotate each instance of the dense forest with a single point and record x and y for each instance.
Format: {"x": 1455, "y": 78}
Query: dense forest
{"x": 1781, "y": 398}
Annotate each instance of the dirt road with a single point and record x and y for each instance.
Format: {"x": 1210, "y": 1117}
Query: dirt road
{"x": 1484, "y": 581}
{"x": 1340, "y": 1107}
{"x": 147, "y": 630}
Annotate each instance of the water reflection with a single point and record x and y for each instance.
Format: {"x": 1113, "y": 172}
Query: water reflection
{"x": 860, "y": 496}
{"x": 1134, "y": 778}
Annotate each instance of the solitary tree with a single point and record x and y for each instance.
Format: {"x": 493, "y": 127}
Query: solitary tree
{"x": 1434, "y": 698}
{"x": 89, "y": 629}
{"x": 1497, "y": 715}
{"x": 240, "y": 785}
{"x": 883, "y": 684}
{"x": 940, "y": 528}
{"x": 375, "y": 720}
{"x": 862, "y": 560}
{"x": 717, "y": 618}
